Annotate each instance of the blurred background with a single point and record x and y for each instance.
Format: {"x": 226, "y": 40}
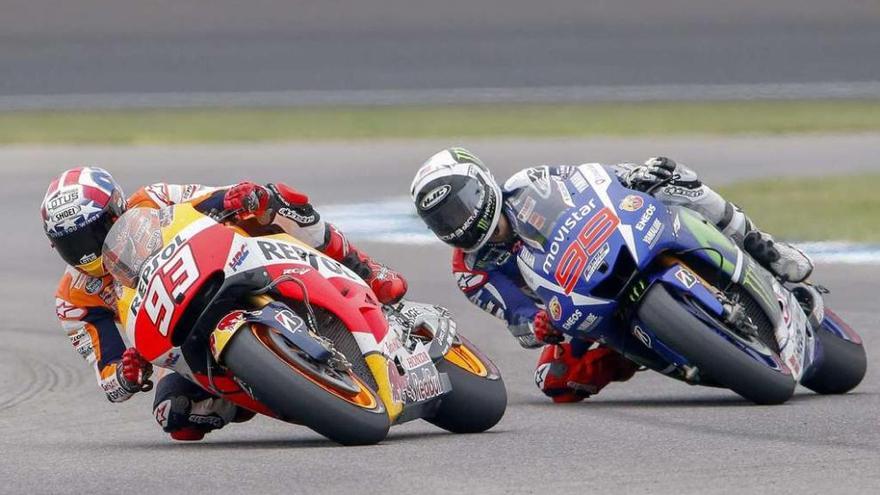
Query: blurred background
{"x": 775, "y": 102}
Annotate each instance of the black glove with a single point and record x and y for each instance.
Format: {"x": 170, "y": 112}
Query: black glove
{"x": 655, "y": 171}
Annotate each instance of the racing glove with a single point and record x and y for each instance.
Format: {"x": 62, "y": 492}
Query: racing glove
{"x": 248, "y": 199}
{"x": 134, "y": 372}
{"x": 262, "y": 202}
{"x": 654, "y": 172}
{"x": 544, "y": 331}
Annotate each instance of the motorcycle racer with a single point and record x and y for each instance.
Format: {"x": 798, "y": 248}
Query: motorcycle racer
{"x": 78, "y": 210}
{"x": 459, "y": 200}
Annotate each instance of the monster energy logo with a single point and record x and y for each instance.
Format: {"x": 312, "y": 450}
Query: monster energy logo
{"x": 463, "y": 155}
{"x": 638, "y": 290}
{"x": 752, "y": 281}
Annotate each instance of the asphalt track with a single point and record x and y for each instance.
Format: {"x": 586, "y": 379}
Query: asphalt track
{"x": 70, "y": 47}
{"x": 651, "y": 435}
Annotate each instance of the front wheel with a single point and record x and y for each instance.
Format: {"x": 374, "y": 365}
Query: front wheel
{"x": 478, "y": 398}
{"x": 711, "y": 353}
{"x": 840, "y": 364}
{"x": 337, "y": 405}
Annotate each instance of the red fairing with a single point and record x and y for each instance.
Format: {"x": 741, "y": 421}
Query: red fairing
{"x": 174, "y": 279}
{"x": 350, "y": 301}
{"x": 467, "y": 278}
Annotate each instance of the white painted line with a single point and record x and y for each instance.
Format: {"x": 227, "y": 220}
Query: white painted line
{"x": 444, "y": 96}
{"x": 394, "y": 221}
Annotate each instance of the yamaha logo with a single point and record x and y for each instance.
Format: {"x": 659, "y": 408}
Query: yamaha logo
{"x": 434, "y": 197}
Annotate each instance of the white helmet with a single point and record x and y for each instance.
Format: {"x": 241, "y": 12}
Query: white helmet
{"x": 457, "y": 198}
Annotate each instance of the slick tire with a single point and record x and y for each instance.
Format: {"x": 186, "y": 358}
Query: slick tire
{"x": 841, "y": 365}
{"x": 294, "y": 398}
{"x": 475, "y": 404}
{"x": 712, "y": 354}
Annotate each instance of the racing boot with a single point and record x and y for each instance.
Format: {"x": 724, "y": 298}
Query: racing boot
{"x": 388, "y": 285}
{"x": 783, "y": 260}
{"x": 187, "y": 412}
{"x": 564, "y": 376}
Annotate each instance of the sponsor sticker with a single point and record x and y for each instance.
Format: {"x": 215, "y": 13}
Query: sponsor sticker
{"x": 300, "y": 218}
{"x": 646, "y": 217}
{"x": 596, "y": 261}
{"x": 572, "y": 319}
{"x": 468, "y": 281}
{"x": 580, "y": 184}
{"x": 434, "y": 197}
{"x": 537, "y": 221}
{"x": 643, "y": 337}
{"x": 687, "y": 278}
{"x": 589, "y": 322}
{"x": 555, "y": 309}
{"x": 93, "y": 285}
{"x": 631, "y": 203}
{"x": 527, "y": 208}
{"x": 527, "y": 257}
{"x": 653, "y": 234}
{"x": 239, "y": 258}
{"x": 683, "y": 192}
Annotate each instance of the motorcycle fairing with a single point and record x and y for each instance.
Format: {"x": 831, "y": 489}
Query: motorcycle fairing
{"x": 585, "y": 303}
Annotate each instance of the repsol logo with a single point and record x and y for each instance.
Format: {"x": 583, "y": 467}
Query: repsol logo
{"x": 281, "y": 251}
{"x": 156, "y": 262}
{"x": 573, "y": 219}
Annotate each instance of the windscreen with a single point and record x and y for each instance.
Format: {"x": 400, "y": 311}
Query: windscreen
{"x": 135, "y": 237}
{"x": 535, "y": 210}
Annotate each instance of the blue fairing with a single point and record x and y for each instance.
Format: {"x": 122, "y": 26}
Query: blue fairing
{"x": 600, "y": 250}
{"x": 603, "y": 237}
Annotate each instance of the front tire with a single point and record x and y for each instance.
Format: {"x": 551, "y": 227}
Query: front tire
{"x": 711, "y": 353}
{"x": 478, "y": 398}
{"x": 291, "y": 392}
{"x": 842, "y": 364}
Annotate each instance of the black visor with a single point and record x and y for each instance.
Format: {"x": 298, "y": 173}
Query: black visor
{"x": 83, "y": 245}
{"x": 464, "y": 217}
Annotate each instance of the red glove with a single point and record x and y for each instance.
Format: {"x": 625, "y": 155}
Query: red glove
{"x": 248, "y": 198}
{"x": 544, "y": 331}
{"x": 135, "y": 371}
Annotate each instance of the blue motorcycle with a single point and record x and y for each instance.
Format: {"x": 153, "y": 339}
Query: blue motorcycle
{"x": 665, "y": 288}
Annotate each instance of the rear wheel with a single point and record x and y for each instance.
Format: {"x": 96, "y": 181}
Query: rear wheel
{"x": 478, "y": 398}
{"x": 841, "y": 364}
{"x": 336, "y": 404}
{"x": 711, "y": 353}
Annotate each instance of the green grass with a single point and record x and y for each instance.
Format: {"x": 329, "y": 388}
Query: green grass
{"x": 621, "y": 119}
{"x": 838, "y": 208}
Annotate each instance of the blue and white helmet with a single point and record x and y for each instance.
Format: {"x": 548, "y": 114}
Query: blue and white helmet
{"x": 457, "y": 198}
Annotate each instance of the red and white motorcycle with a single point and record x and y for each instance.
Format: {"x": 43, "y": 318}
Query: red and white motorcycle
{"x": 278, "y": 328}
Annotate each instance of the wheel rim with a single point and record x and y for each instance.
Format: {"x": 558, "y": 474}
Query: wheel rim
{"x": 465, "y": 359}
{"x": 345, "y": 386}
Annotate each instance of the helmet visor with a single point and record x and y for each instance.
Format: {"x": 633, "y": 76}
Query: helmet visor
{"x": 464, "y": 217}
{"x": 83, "y": 245}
